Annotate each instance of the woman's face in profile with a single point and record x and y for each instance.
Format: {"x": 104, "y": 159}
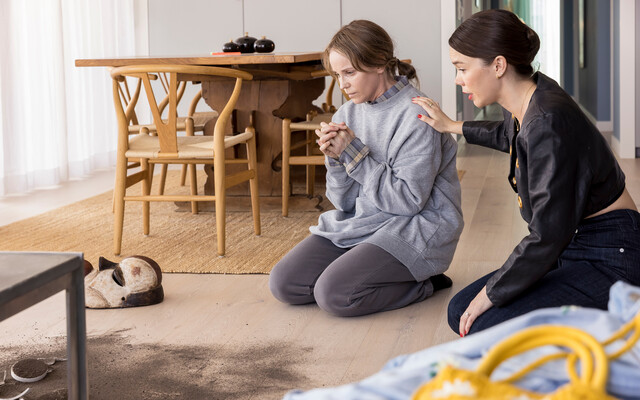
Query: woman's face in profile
{"x": 360, "y": 86}
{"x": 475, "y": 78}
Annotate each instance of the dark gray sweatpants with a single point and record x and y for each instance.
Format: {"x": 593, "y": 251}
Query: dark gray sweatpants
{"x": 345, "y": 282}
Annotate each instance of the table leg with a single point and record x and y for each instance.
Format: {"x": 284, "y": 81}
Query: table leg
{"x": 77, "y": 377}
{"x": 268, "y": 101}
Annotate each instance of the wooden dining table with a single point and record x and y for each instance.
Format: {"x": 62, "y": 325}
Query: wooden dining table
{"x": 284, "y": 85}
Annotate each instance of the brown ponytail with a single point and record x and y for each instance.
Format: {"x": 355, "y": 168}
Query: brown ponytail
{"x": 367, "y": 45}
{"x": 409, "y": 71}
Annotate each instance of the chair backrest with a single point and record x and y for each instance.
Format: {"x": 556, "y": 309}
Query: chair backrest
{"x": 167, "y": 131}
{"x": 327, "y": 106}
{"x": 164, "y": 81}
{"x": 129, "y": 101}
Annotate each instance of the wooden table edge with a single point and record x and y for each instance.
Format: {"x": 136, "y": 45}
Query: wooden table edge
{"x": 242, "y": 59}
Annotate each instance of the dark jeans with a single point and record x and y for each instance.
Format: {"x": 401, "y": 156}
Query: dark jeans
{"x": 345, "y": 282}
{"x": 605, "y": 249}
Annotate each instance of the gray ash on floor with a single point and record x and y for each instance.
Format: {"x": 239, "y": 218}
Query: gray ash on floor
{"x": 119, "y": 370}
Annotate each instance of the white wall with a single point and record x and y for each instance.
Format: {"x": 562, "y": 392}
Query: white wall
{"x": 624, "y": 138}
{"x": 414, "y": 26}
{"x": 637, "y": 81}
{"x": 141, "y": 23}
{"x": 190, "y": 27}
{"x": 294, "y": 25}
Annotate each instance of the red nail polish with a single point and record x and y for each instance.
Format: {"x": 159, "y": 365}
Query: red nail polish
{"x": 461, "y": 335}
{"x": 419, "y": 115}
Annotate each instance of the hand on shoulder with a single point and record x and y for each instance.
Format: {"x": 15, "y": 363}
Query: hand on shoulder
{"x": 435, "y": 117}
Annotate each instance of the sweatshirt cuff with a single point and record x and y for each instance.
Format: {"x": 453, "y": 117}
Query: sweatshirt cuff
{"x": 355, "y": 152}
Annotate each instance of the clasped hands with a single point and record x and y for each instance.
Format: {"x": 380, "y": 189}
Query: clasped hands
{"x": 333, "y": 138}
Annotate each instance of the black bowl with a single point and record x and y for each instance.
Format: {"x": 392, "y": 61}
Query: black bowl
{"x": 264, "y": 45}
{"x": 245, "y": 43}
{"x": 230, "y": 47}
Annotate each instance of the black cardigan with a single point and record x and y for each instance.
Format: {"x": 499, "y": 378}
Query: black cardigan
{"x": 562, "y": 170}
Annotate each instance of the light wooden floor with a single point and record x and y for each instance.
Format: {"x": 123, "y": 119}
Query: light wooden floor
{"x": 234, "y": 311}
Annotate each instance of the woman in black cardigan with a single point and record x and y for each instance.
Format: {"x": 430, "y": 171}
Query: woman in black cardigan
{"x": 584, "y": 227}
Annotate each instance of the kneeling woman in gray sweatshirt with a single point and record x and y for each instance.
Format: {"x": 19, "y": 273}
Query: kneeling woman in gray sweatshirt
{"x": 394, "y": 184}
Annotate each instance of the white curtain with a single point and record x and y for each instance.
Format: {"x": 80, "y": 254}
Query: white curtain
{"x": 57, "y": 120}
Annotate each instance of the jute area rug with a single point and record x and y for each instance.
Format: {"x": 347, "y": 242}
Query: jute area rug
{"x": 178, "y": 241}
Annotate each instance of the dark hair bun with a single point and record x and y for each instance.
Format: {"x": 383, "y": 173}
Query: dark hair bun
{"x": 491, "y": 33}
{"x": 534, "y": 43}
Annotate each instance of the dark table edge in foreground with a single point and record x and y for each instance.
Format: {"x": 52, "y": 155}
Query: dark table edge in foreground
{"x": 66, "y": 273}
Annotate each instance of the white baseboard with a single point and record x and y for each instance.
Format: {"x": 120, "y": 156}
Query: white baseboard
{"x": 615, "y": 145}
{"x": 604, "y": 126}
{"x": 623, "y": 152}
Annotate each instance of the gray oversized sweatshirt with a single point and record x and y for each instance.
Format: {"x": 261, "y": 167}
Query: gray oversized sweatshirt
{"x": 404, "y": 194}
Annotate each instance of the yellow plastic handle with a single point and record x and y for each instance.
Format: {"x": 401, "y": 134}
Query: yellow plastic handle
{"x": 594, "y": 363}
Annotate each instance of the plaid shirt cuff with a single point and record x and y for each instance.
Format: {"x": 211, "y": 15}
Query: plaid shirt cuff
{"x": 333, "y": 162}
{"x": 353, "y": 154}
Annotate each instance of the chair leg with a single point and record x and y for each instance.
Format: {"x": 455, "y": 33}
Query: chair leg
{"x": 310, "y": 169}
{"x": 193, "y": 181}
{"x": 119, "y": 191}
{"x": 311, "y": 178}
{"x": 219, "y": 188}
{"x": 183, "y": 175}
{"x": 146, "y": 191}
{"x": 151, "y": 172}
{"x": 163, "y": 178}
{"x": 183, "y": 168}
{"x": 309, "y": 186}
{"x": 253, "y": 184}
{"x": 286, "y": 150}
{"x": 113, "y": 197}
